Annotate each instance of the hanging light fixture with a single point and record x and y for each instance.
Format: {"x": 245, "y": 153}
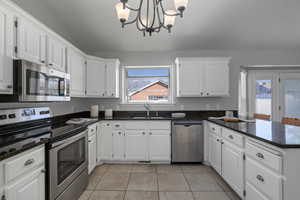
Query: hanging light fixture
{"x": 150, "y": 15}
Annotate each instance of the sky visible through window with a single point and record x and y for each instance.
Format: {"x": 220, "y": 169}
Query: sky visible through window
{"x": 142, "y": 83}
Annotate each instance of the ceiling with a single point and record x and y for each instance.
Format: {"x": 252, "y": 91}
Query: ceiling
{"x": 207, "y": 24}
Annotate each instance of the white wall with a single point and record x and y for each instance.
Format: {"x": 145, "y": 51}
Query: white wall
{"x": 239, "y": 57}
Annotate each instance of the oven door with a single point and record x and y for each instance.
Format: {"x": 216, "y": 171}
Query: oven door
{"x": 39, "y": 83}
{"x": 67, "y": 160}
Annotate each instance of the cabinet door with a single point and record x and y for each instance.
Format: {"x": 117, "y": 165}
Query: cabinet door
{"x": 106, "y": 142}
{"x": 159, "y": 145}
{"x": 96, "y": 76}
{"x": 217, "y": 78}
{"x": 215, "y": 153}
{"x": 56, "y": 54}
{"x": 112, "y": 79}
{"x": 190, "y": 81}
{"x": 6, "y": 52}
{"x": 233, "y": 167}
{"x": 136, "y": 145}
{"x": 32, "y": 187}
{"x": 118, "y": 145}
{"x": 31, "y": 42}
{"x": 92, "y": 153}
{"x": 77, "y": 69}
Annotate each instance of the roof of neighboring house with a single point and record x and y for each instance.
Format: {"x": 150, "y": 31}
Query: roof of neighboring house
{"x": 147, "y": 86}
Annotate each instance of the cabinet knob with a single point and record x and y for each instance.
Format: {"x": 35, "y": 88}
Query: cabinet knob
{"x": 89, "y": 141}
{"x": 29, "y": 162}
{"x": 207, "y": 94}
{"x": 260, "y": 155}
{"x": 50, "y": 64}
{"x": 42, "y": 61}
{"x": 201, "y": 93}
{"x": 144, "y": 133}
{"x": 231, "y": 137}
{"x": 218, "y": 140}
{"x": 150, "y": 133}
{"x": 43, "y": 171}
{"x": 9, "y": 86}
{"x": 260, "y": 178}
{"x": 112, "y": 94}
{"x": 120, "y": 133}
{"x": 103, "y": 94}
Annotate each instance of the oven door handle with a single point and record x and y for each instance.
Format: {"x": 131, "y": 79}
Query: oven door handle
{"x": 69, "y": 140}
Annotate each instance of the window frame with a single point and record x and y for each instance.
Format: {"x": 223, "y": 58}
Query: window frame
{"x": 125, "y": 86}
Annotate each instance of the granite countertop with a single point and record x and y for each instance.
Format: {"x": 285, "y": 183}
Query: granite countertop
{"x": 275, "y": 133}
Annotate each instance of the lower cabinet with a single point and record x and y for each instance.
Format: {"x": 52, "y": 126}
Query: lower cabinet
{"x": 159, "y": 145}
{"x": 233, "y": 166}
{"x": 30, "y": 187}
{"x": 136, "y": 145}
{"x": 92, "y": 148}
{"x": 215, "y": 153}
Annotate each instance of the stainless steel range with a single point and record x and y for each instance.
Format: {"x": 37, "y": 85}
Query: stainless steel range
{"x": 66, "y": 144}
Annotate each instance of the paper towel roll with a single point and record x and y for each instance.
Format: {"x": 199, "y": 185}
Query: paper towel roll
{"x": 94, "y": 111}
{"x": 108, "y": 113}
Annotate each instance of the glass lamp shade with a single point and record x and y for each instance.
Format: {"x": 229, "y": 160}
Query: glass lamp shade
{"x": 170, "y": 20}
{"x": 123, "y": 14}
{"x": 179, "y": 4}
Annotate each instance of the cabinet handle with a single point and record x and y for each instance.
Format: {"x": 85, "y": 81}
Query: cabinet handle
{"x": 117, "y": 125}
{"x": 120, "y": 133}
{"x": 50, "y": 64}
{"x": 3, "y": 197}
{"x": 9, "y": 86}
{"x": 218, "y": 140}
{"x": 112, "y": 94}
{"x": 103, "y": 94}
{"x": 207, "y": 94}
{"x": 29, "y": 162}
{"x": 260, "y": 178}
{"x": 260, "y": 155}
{"x": 42, "y": 61}
{"x": 231, "y": 137}
{"x": 150, "y": 133}
{"x": 43, "y": 171}
{"x": 144, "y": 133}
{"x": 201, "y": 93}
{"x": 213, "y": 129}
{"x": 89, "y": 141}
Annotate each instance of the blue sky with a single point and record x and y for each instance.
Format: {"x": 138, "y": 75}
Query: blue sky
{"x": 147, "y": 72}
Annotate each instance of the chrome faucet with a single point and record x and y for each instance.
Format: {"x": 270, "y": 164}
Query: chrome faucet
{"x": 147, "y": 107}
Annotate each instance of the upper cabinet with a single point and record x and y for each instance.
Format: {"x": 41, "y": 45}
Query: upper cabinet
{"x": 202, "y": 77}
{"x": 31, "y": 41}
{"x": 102, "y": 77}
{"x": 76, "y": 63}
{"x": 6, "y": 51}
{"x": 95, "y": 83}
{"x": 56, "y": 53}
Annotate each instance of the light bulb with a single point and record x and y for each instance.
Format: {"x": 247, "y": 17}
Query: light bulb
{"x": 123, "y": 14}
{"x": 170, "y": 20}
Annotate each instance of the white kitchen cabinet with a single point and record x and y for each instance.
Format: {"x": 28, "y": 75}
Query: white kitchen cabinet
{"x": 112, "y": 78}
{"x": 233, "y": 166}
{"x": 6, "y": 51}
{"x": 217, "y": 77}
{"x": 136, "y": 145}
{"x": 215, "y": 153}
{"x": 31, "y": 41}
{"x": 56, "y": 54}
{"x": 95, "y": 77}
{"x": 105, "y": 141}
{"x": 202, "y": 77}
{"x": 31, "y": 186}
{"x": 76, "y": 62}
{"x": 118, "y": 145}
{"x": 190, "y": 79}
{"x": 159, "y": 145}
{"x": 92, "y": 147}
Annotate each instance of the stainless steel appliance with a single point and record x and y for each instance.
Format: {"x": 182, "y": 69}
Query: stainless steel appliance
{"x": 68, "y": 167}
{"x": 33, "y": 82}
{"x": 187, "y": 142}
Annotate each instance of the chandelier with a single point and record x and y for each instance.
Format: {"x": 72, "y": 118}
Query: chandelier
{"x": 151, "y": 15}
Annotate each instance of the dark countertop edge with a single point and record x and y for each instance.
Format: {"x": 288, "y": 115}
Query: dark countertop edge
{"x": 15, "y": 153}
{"x": 287, "y": 146}
{"x": 134, "y": 119}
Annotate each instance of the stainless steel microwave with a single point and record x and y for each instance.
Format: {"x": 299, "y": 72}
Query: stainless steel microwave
{"x": 34, "y": 83}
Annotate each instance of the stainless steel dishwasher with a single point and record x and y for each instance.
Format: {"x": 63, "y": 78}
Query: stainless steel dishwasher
{"x": 187, "y": 142}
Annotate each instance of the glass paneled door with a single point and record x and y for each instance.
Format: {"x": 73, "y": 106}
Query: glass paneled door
{"x": 289, "y": 94}
{"x": 262, "y": 94}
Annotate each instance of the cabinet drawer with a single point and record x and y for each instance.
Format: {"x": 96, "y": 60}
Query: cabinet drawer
{"x": 136, "y": 125}
{"x": 117, "y": 126}
{"x": 159, "y": 125}
{"x": 92, "y": 130}
{"x": 253, "y": 193}
{"x": 264, "y": 180}
{"x": 24, "y": 163}
{"x": 233, "y": 137}
{"x": 264, "y": 157}
{"x": 214, "y": 129}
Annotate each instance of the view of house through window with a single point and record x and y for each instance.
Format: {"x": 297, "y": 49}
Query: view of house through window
{"x": 263, "y": 97}
{"x": 147, "y": 84}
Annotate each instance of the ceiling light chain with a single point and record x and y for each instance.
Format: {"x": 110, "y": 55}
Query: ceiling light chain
{"x": 160, "y": 17}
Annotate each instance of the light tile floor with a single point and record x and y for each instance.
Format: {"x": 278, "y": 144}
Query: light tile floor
{"x": 156, "y": 182}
